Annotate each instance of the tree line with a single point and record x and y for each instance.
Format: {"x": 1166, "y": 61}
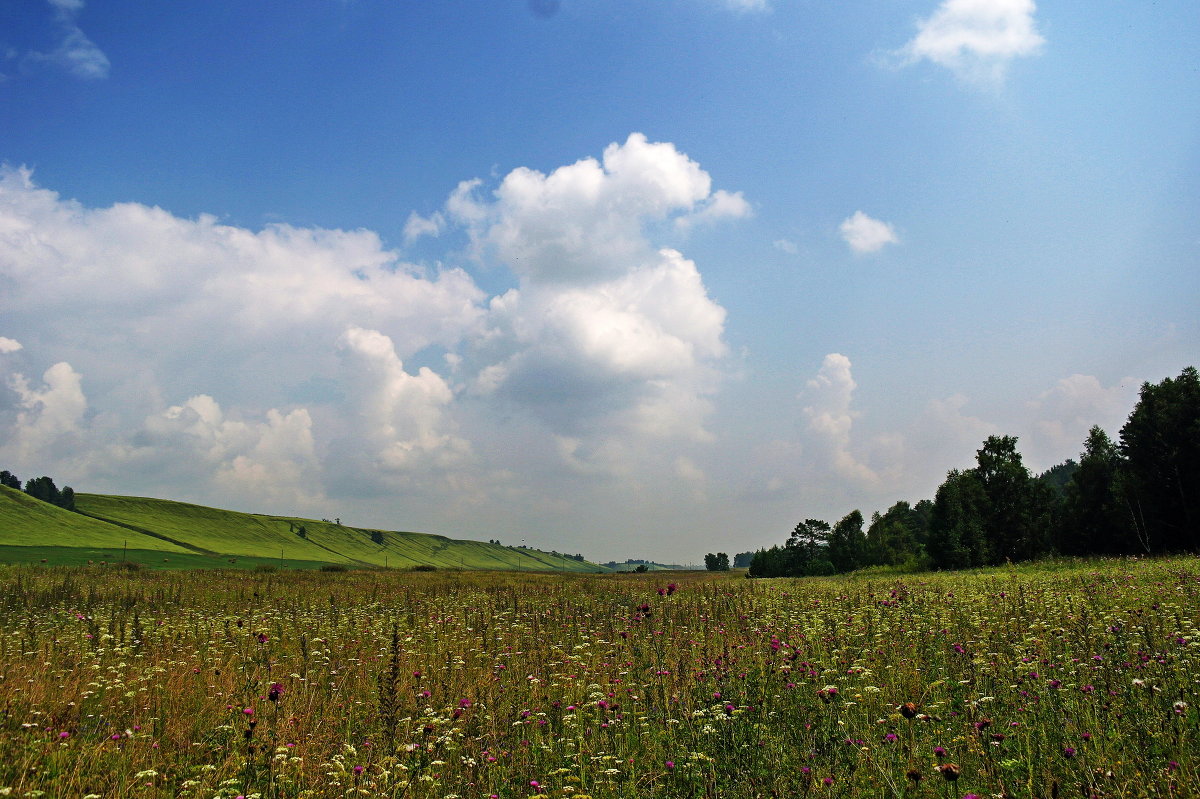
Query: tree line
{"x": 42, "y": 488}
{"x": 1134, "y": 496}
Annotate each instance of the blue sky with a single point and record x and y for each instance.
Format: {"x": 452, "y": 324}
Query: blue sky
{"x": 636, "y": 279}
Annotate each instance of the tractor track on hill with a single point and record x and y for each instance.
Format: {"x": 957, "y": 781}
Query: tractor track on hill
{"x": 189, "y": 547}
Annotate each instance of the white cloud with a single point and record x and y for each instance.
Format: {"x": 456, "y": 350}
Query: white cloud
{"x": 202, "y": 452}
{"x": 830, "y": 417}
{"x": 606, "y": 334}
{"x": 137, "y": 288}
{"x": 865, "y": 234}
{"x": 584, "y": 222}
{"x": 1061, "y": 417}
{"x": 47, "y": 416}
{"x": 786, "y": 245}
{"x": 75, "y": 53}
{"x": 417, "y": 226}
{"x": 321, "y": 346}
{"x": 976, "y": 39}
{"x": 719, "y": 205}
{"x": 8, "y": 345}
{"x": 403, "y": 423}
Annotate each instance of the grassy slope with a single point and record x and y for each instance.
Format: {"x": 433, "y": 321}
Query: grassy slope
{"x": 213, "y": 530}
{"x": 28, "y": 522}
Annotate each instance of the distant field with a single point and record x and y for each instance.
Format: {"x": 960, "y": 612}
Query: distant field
{"x": 211, "y": 536}
{"x": 1077, "y": 680}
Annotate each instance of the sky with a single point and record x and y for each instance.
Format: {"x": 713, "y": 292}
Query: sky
{"x": 630, "y": 278}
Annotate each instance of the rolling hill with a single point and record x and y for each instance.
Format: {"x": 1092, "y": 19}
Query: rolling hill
{"x": 158, "y": 531}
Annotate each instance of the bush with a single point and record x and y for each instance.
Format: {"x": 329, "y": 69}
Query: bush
{"x": 425, "y": 567}
{"x": 333, "y": 567}
{"x": 266, "y": 568}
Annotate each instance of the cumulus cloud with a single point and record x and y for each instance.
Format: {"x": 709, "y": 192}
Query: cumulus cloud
{"x": 976, "y": 39}
{"x": 584, "y": 222}
{"x": 48, "y": 416}
{"x": 262, "y": 464}
{"x": 607, "y": 334}
{"x": 417, "y": 226}
{"x": 138, "y": 288}
{"x": 404, "y": 426}
{"x": 830, "y": 417}
{"x": 1061, "y": 416}
{"x": 75, "y": 52}
{"x": 865, "y": 235}
{"x": 289, "y": 365}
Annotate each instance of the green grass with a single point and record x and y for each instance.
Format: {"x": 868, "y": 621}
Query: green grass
{"x": 145, "y": 558}
{"x": 211, "y": 536}
{"x": 28, "y": 522}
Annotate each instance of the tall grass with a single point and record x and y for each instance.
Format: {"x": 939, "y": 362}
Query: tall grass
{"x": 1079, "y": 681}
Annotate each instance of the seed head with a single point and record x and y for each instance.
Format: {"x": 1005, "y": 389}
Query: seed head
{"x": 950, "y": 771}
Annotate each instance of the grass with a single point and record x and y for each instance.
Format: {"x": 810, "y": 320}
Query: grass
{"x": 211, "y": 536}
{"x": 1078, "y": 680}
{"x": 28, "y": 522}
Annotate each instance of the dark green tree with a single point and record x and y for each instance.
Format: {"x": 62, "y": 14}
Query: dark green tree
{"x": 716, "y": 562}
{"x": 1057, "y": 477}
{"x": 1161, "y": 477}
{"x": 10, "y": 480}
{"x": 897, "y": 536}
{"x": 1018, "y": 512}
{"x": 805, "y": 545}
{"x": 847, "y": 543}
{"x": 956, "y": 523}
{"x": 1094, "y": 518}
{"x": 742, "y": 560}
{"x": 42, "y": 488}
{"x": 771, "y": 562}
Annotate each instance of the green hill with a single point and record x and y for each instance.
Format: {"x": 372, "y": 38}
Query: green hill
{"x": 155, "y": 531}
{"x": 25, "y": 521}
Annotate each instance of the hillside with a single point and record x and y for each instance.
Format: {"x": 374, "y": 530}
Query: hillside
{"x": 152, "y": 530}
{"x": 25, "y": 521}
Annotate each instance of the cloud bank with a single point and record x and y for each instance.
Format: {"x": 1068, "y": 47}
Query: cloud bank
{"x": 297, "y": 367}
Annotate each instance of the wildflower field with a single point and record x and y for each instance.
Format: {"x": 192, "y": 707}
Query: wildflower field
{"x": 1039, "y": 681}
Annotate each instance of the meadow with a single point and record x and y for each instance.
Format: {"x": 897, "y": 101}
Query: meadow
{"x": 1070, "y": 680}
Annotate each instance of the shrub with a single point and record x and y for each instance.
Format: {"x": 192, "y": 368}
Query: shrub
{"x": 333, "y": 567}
